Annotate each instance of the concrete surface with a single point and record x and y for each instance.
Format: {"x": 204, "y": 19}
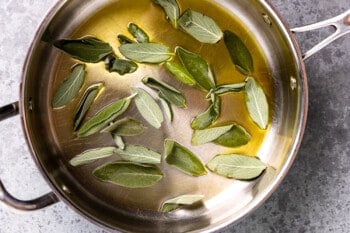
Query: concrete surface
{"x": 315, "y": 196}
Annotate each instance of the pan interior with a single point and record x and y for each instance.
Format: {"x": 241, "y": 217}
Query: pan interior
{"x": 54, "y": 144}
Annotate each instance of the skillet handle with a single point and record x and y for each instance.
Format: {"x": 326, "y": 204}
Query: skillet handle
{"x": 341, "y": 23}
{"x": 5, "y": 197}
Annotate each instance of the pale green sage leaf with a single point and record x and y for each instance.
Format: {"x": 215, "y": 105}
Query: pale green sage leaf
{"x": 171, "y": 9}
{"x": 201, "y": 27}
{"x": 241, "y": 167}
{"x": 225, "y": 89}
{"x": 67, "y": 91}
{"x": 139, "y": 154}
{"x": 146, "y": 52}
{"x": 207, "y": 118}
{"x": 90, "y": 156}
{"x": 139, "y": 34}
{"x": 180, "y": 201}
{"x": 180, "y": 73}
{"x": 126, "y": 127}
{"x": 121, "y": 66}
{"x": 129, "y": 175}
{"x": 200, "y": 137}
{"x": 183, "y": 159}
{"x": 256, "y": 102}
{"x": 119, "y": 141}
{"x": 166, "y": 107}
{"x": 235, "y": 137}
{"x": 86, "y": 49}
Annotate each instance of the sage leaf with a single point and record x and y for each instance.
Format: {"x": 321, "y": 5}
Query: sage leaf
{"x": 67, "y": 91}
{"x": 180, "y": 73}
{"x": 178, "y": 202}
{"x": 148, "y": 108}
{"x": 201, "y": 27}
{"x": 105, "y": 116}
{"x": 124, "y": 40}
{"x": 90, "y": 156}
{"x": 85, "y": 103}
{"x": 86, "y": 49}
{"x": 119, "y": 141}
{"x": 139, "y": 34}
{"x": 121, "y": 66}
{"x": 230, "y": 88}
{"x": 146, "y": 52}
{"x": 171, "y": 9}
{"x": 166, "y": 107}
{"x": 197, "y": 67}
{"x": 129, "y": 175}
{"x": 169, "y": 93}
{"x": 139, "y": 154}
{"x": 126, "y": 127}
{"x": 183, "y": 159}
{"x": 235, "y": 166}
{"x": 256, "y": 102}
{"x": 235, "y": 137}
{"x": 239, "y": 53}
{"x": 207, "y": 118}
{"x": 200, "y": 137}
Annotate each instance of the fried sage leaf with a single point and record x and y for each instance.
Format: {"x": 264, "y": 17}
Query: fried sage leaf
{"x": 129, "y": 175}
{"x": 256, "y": 102}
{"x": 197, "y": 67}
{"x": 239, "y": 167}
{"x": 183, "y": 159}
{"x": 85, "y": 103}
{"x": 180, "y": 73}
{"x": 104, "y": 117}
{"x": 171, "y": 9}
{"x": 124, "y": 40}
{"x": 126, "y": 127}
{"x": 166, "y": 107}
{"x": 180, "y": 201}
{"x": 86, "y": 49}
{"x": 119, "y": 141}
{"x": 139, "y": 34}
{"x": 121, "y": 66}
{"x": 168, "y": 92}
{"x": 139, "y": 154}
{"x": 205, "y": 119}
{"x": 201, "y": 27}
{"x": 146, "y": 52}
{"x": 70, "y": 87}
{"x": 200, "y": 137}
{"x": 239, "y": 53}
{"x": 235, "y": 137}
{"x": 224, "y": 89}
{"x": 90, "y": 156}
{"x": 148, "y": 108}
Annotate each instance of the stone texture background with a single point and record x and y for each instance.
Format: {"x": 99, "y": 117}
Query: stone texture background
{"x": 315, "y": 196}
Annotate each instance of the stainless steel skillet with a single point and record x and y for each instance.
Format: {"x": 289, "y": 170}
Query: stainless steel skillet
{"x": 289, "y": 121}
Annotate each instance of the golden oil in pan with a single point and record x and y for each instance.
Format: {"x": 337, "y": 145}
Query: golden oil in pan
{"x": 106, "y": 25}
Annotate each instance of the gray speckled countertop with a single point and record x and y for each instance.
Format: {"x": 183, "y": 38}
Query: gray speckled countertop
{"x": 314, "y": 197}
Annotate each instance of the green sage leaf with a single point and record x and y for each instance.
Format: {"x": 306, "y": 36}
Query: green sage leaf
{"x": 139, "y": 34}
{"x": 148, "y": 108}
{"x": 85, "y": 103}
{"x": 121, "y": 66}
{"x": 70, "y": 87}
{"x": 224, "y": 89}
{"x": 201, "y": 27}
{"x": 200, "y": 137}
{"x": 183, "y": 159}
{"x": 124, "y": 40}
{"x": 180, "y": 73}
{"x": 139, "y": 154}
{"x": 178, "y": 202}
{"x": 169, "y": 93}
{"x": 256, "y": 102}
{"x": 239, "y": 53}
{"x": 171, "y": 9}
{"x": 86, "y": 49}
{"x": 166, "y": 107}
{"x": 146, "y": 52}
{"x": 104, "y": 117}
{"x": 119, "y": 141}
{"x": 90, "y": 156}
{"x": 235, "y": 137}
{"x": 207, "y": 118}
{"x": 126, "y": 127}
{"x": 129, "y": 175}
{"x": 239, "y": 167}
{"x": 197, "y": 67}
